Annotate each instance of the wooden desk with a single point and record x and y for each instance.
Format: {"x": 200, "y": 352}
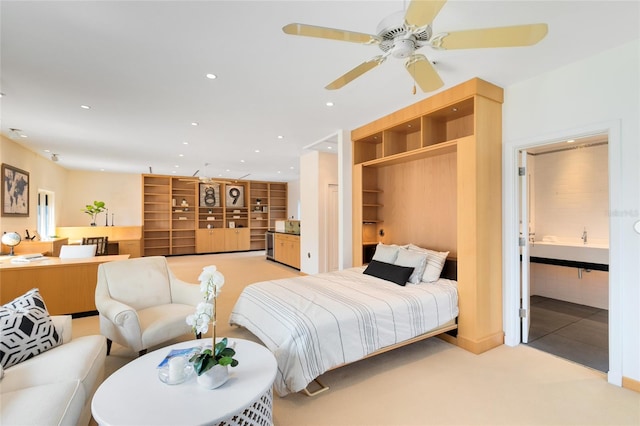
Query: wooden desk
{"x": 128, "y": 238}
{"x": 48, "y": 247}
{"x": 68, "y": 286}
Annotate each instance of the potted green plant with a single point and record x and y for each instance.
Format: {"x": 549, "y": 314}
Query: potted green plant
{"x": 212, "y": 366}
{"x": 93, "y": 210}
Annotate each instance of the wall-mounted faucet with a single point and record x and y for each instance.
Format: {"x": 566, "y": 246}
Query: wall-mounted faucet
{"x": 584, "y": 235}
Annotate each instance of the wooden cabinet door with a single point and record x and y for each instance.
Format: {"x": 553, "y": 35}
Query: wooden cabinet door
{"x": 237, "y": 239}
{"x": 210, "y": 240}
{"x": 130, "y": 247}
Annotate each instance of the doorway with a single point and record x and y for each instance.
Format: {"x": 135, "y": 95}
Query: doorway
{"x": 564, "y": 228}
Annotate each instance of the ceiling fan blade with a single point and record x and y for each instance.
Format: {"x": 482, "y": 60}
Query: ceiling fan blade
{"x": 329, "y": 33}
{"x": 424, "y": 74}
{"x": 518, "y": 35}
{"x": 422, "y": 12}
{"x": 355, "y": 73}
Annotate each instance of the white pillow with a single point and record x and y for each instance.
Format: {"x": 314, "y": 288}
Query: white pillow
{"x": 414, "y": 259}
{"x": 386, "y": 253}
{"x": 435, "y": 263}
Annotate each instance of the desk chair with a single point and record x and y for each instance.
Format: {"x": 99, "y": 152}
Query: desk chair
{"x": 77, "y": 252}
{"x": 100, "y": 242}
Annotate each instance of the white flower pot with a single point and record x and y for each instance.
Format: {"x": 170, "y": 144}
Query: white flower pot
{"x": 214, "y": 377}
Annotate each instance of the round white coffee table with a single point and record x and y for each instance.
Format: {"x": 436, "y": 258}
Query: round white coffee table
{"x": 134, "y": 395}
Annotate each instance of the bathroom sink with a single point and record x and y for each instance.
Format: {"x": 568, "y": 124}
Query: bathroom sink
{"x": 578, "y": 252}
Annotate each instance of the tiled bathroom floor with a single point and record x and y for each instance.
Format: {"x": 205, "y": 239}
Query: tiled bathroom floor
{"x": 575, "y": 332}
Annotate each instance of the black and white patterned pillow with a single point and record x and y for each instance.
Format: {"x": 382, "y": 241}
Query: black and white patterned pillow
{"x": 26, "y": 329}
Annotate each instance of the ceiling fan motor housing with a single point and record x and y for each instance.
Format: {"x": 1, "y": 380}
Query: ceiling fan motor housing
{"x": 398, "y": 37}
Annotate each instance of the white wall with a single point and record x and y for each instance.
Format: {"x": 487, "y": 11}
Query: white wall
{"x": 599, "y": 92}
{"x": 293, "y": 199}
{"x": 43, "y": 174}
{"x": 317, "y": 171}
{"x": 121, "y": 192}
{"x": 572, "y": 193}
{"x": 73, "y": 189}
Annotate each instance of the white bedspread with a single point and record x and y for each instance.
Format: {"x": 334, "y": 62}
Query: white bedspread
{"x": 317, "y": 322}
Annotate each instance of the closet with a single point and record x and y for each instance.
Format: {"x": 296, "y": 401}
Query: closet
{"x": 430, "y": 174}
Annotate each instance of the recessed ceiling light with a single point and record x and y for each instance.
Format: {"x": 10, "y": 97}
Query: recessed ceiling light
{"x": 257, "y": 150}
{"x": 194, "y": 123}
{"x": 180, "y": 155}
{"x": 85, "y": 107}
{"x": 242, "y": 161}
{"x": 176, "y": 166}
{"x": 174, "y": 172}
{"x": 185, "y": 143}
{"x": 102, "y": 170}
{"x": 47, "y": 150}
{"x": 227, "y": 170}
{"x": 329, "y": 104}
{"x": 22, "y": 135}
{"x": 211, "y": 76}
{"x": 278, "y": 171}
{"x": 280, "y": 137}
{"x": 571, "y": 140}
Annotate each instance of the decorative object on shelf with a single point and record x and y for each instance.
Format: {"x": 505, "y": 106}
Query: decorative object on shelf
{"x": 232, "y": 224}
{"x": 113, "y": 215}
{"x": 234, "y": 195}
{"x": 15, "y": 191}
{"x": 210, "y": 195}
{"x": 184, "y": 203}
{"x": 106, "y": 218}
{"x": 211, "y": 282}
{"x": 258, "y": 201}
{"x": 93, "y": 210}
{"x": 11, "y": 239}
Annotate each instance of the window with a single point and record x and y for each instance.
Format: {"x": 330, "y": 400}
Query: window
{"x": 46, "y": 214}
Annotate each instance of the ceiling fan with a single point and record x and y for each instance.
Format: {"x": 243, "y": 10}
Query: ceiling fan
{"x": 401, "y": 34}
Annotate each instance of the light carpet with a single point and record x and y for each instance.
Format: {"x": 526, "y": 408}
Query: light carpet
{"x": 427, "y": 383}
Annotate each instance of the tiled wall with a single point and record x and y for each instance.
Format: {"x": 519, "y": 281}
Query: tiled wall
{"x": 571, "y": 193}
{"x": 564, "y": 283}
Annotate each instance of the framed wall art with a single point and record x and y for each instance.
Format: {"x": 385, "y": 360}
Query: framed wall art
{"x": 209, "y": 195}
{"x": 234, "y": 196}
{"x": 15, "y": 191}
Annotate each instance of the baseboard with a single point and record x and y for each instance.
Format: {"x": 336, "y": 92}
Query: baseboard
{"x": 482, "y": 345}
{"x": 631, "y": 384}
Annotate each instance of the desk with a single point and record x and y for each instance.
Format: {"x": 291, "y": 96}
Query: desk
{"x": 68, "y": 286}
{"x": 124, "y": 239}
{"x": 134, "y": 395}
{"x": 47, "y": 247}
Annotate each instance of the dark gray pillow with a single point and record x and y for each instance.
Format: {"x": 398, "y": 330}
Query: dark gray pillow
{"x": 389, "y": 272}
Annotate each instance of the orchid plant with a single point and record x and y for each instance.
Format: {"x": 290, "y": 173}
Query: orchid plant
{"x": 211, "y": 281}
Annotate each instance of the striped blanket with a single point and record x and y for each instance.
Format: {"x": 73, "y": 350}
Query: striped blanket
{"x": 317, "y": 322}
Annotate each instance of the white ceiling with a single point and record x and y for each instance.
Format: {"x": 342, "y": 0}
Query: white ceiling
{"x": 141, "y": 67}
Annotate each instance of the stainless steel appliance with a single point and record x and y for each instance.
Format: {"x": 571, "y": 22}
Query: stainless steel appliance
{"x": 268, "y": 246}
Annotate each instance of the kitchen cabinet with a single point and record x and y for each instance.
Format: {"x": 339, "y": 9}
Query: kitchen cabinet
{"x": 287, "y": 249}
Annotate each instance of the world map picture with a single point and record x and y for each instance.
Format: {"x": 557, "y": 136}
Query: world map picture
{"x": 15, "y": 191}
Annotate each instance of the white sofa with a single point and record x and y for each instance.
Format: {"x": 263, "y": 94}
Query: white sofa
{"x": 56, "y": 386}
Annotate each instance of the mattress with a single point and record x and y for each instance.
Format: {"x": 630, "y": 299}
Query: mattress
{"x": 315, "y": 323}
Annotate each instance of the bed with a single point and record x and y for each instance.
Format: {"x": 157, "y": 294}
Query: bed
{"x": 315, "y": 323}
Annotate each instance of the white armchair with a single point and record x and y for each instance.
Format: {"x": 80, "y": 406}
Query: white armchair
{"x": 142, "y": 304}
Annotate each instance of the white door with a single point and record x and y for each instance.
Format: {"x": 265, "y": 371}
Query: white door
{"x": 332, "y": 215}
{"x": 525, "y": 290}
